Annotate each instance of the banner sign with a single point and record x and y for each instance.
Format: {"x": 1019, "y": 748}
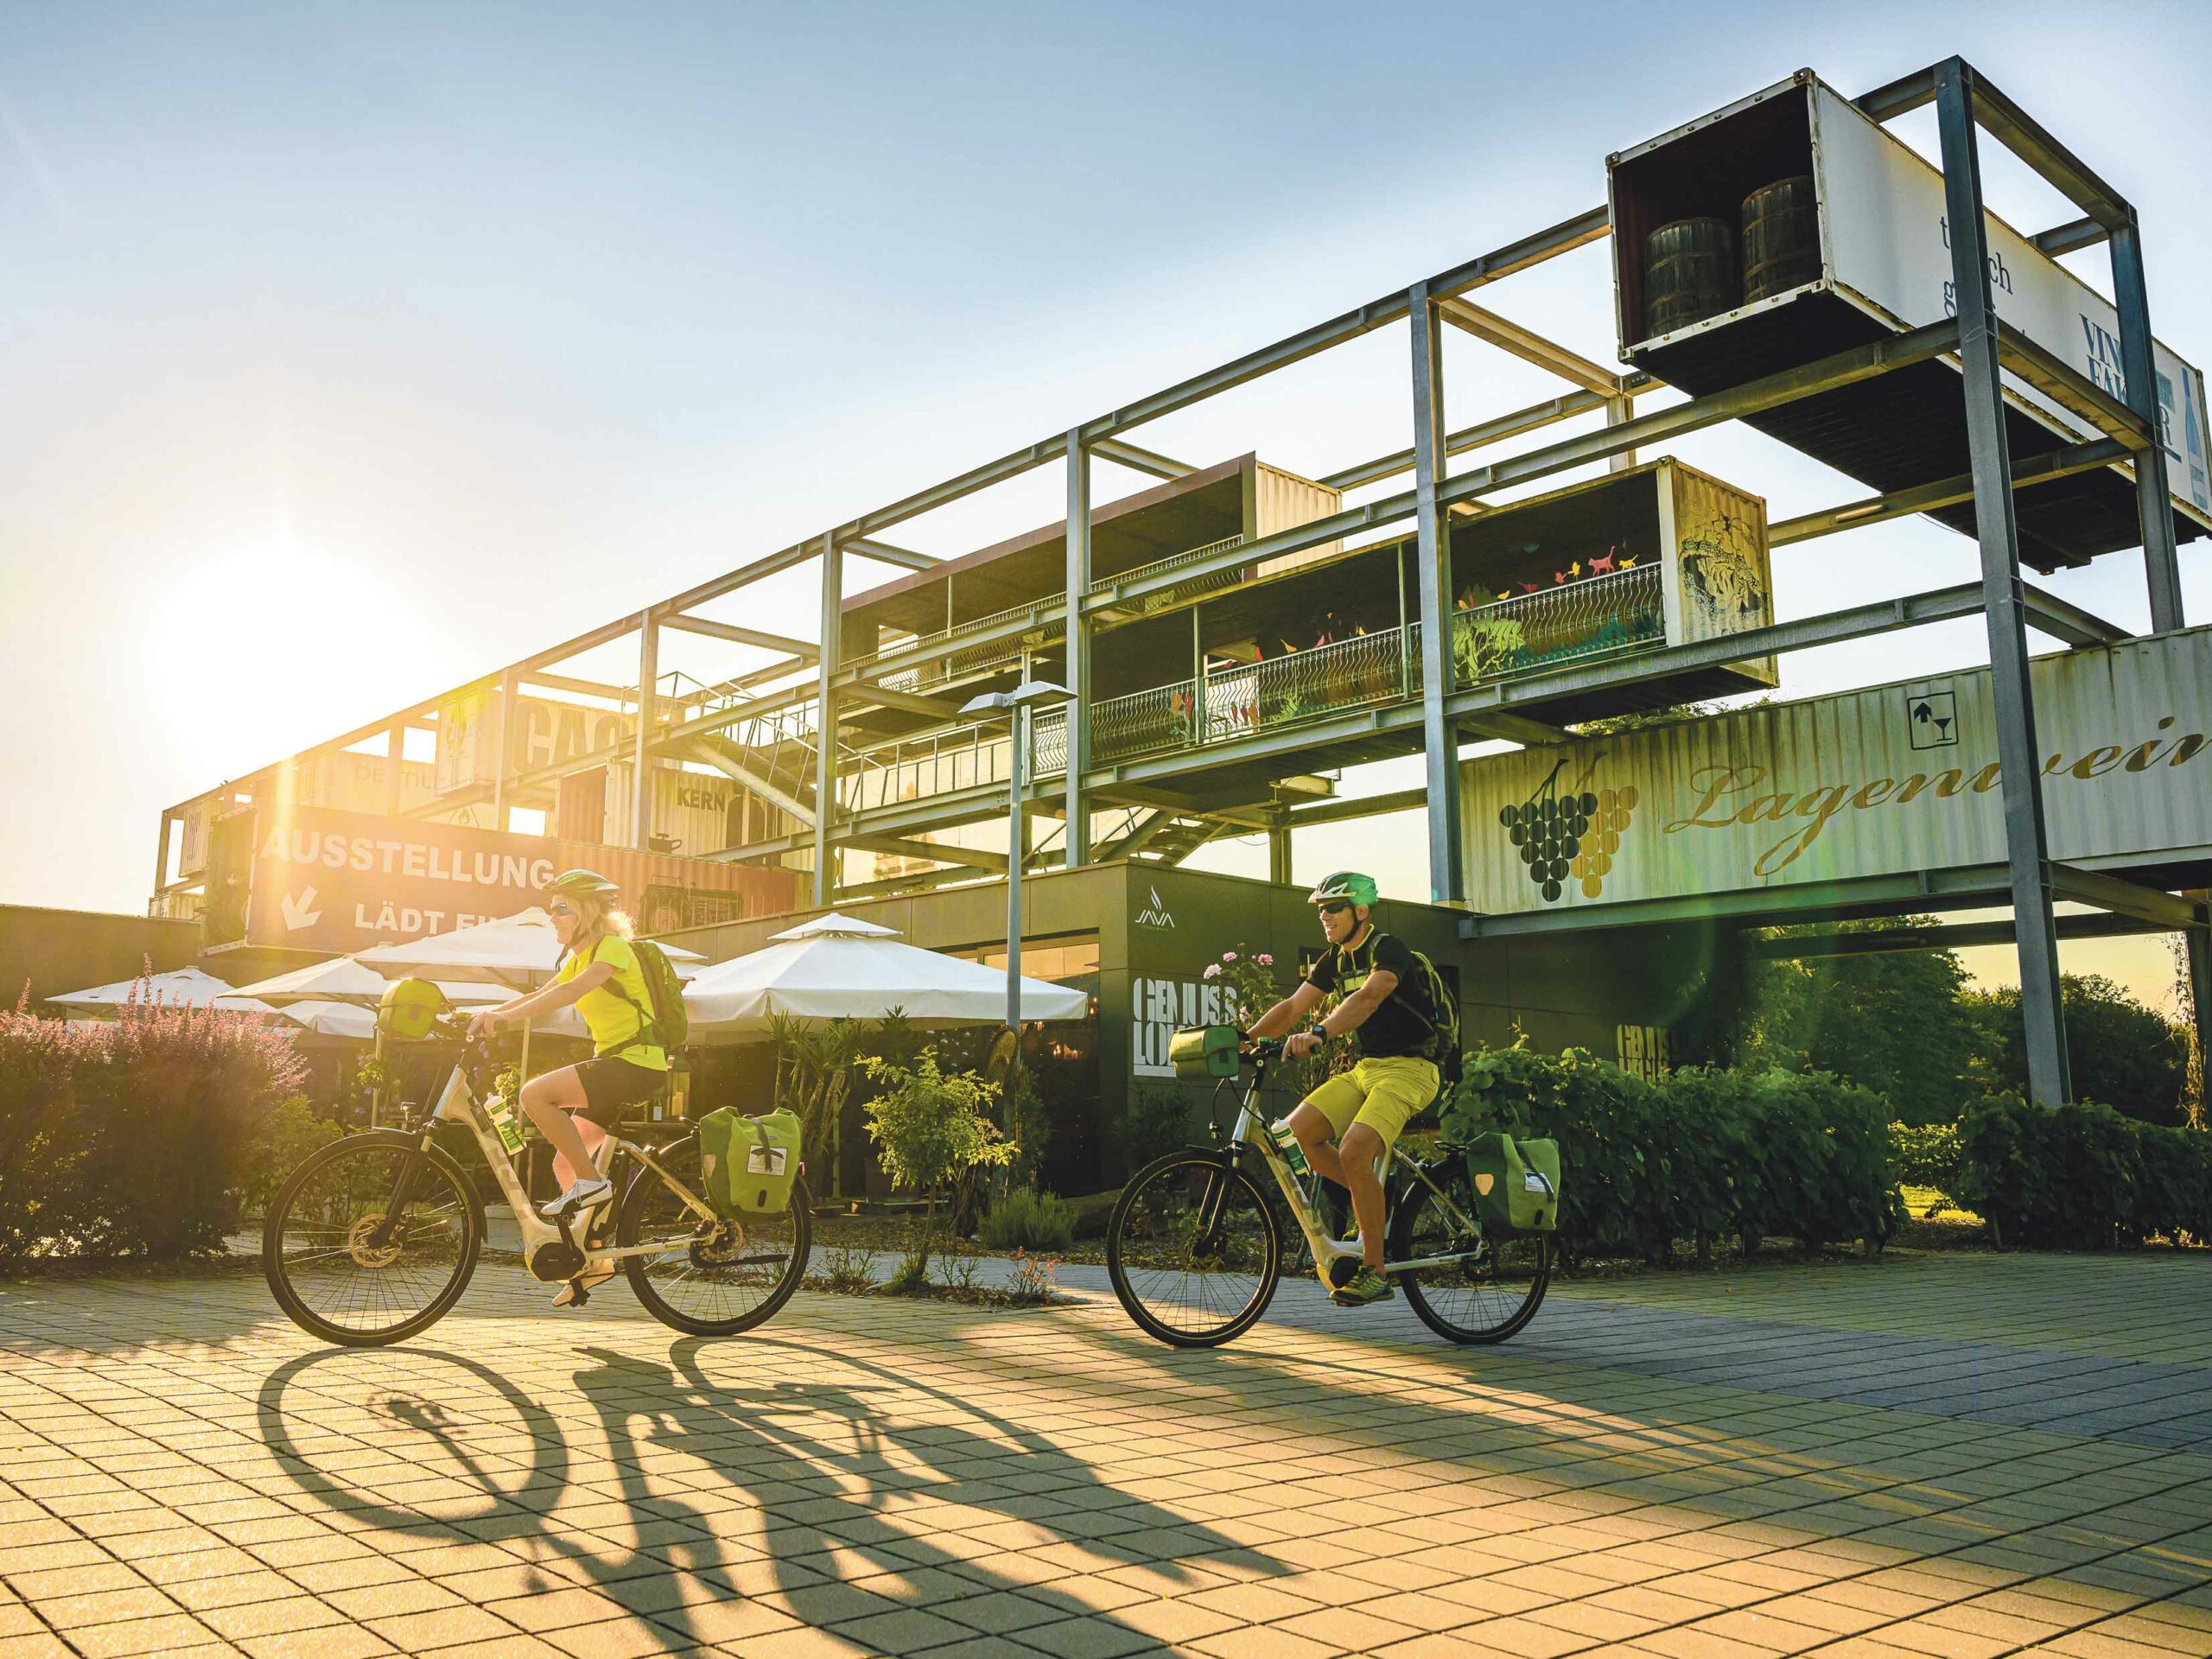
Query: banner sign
{"x": 1876, "y": 782}
{"x": 334, "y": 881}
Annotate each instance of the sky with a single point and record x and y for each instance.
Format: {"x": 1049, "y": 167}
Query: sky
{"x": 349, "y": 352}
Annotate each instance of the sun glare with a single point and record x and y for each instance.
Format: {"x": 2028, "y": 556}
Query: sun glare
{"x": 255, "y": 652}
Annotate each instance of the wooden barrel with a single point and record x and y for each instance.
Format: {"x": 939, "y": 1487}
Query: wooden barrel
{"x": 1689, "y": 274}
{"x": 1782, "y": 238}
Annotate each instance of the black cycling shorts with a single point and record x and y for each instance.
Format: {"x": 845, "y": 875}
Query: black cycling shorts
{"x": 612, "y": 1085}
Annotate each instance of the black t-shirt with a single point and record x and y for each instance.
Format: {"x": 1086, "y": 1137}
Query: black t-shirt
{"x": 1400, "y": 1026}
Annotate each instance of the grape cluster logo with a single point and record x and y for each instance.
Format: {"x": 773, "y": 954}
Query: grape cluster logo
{"x": 1569, "y": 833}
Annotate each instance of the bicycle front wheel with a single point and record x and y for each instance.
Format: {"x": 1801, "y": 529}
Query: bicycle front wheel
{"x": 372, "y": 1240}
{"x": 1193, "y": 1250}
{"x": 1486, "y": 1289}
{"x": 715, "y": 1278}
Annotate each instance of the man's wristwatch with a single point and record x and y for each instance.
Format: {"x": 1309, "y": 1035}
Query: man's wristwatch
{"x": 1317, "y": 1032}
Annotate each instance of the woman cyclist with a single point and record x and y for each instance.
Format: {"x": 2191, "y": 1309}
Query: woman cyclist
{"x": 600, "y": 977}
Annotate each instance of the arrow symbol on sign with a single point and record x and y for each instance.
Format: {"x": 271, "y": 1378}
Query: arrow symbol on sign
{"x": 301, "y": 912}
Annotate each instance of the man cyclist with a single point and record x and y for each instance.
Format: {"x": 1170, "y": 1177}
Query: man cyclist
{"x": 1347, "y": 1125}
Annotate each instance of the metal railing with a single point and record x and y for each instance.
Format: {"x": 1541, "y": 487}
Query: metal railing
{"x": 919, "y": 768}
{"x": 1598, "y": 616}
{"x": 1567, "y": 622}
{"x": 1215, "y": 581}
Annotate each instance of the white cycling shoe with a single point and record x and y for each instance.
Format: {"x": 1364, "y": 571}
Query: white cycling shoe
{"x": 581, "y": 1196}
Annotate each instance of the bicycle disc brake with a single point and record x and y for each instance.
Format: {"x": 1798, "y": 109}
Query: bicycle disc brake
{"x": 365, "y": 1254}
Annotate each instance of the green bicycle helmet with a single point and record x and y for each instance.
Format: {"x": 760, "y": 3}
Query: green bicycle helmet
{"x": 1343, "y": 885}
{"x": 581, "y": 882}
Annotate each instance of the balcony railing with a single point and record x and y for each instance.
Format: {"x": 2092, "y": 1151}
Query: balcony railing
{"x": 1215, "y": 581}
{"x": 1598, "y": 617}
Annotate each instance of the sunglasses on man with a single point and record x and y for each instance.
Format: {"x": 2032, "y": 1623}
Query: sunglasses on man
{"x": 1334, "y": 906}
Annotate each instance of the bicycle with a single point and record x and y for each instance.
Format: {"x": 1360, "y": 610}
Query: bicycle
{"x": 1195, "y": 1250}
{"x": 374, "y": 1238}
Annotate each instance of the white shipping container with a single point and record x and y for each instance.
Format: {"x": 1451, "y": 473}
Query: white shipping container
{"x": 1882, "y": 781}
{"x": 1885, "y": 268}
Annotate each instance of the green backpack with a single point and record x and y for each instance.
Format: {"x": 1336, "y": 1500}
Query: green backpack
{"x": 1442, "y": 1048}
{"x": 747, "y": 1163}
{"x": 669, "y": 1021}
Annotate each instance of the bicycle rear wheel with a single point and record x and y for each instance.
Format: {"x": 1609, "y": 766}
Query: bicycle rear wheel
{"x": 1492, "y": 1287}
{"x": 718, "y": 1277}
{"x": 1193, "y": 1250}
{"x": 335, "y": 1267}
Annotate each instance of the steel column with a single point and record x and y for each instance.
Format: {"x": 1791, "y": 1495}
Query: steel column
{"x": 825, "y": 718}
{"x": 2161, "y": 565}
{"x": 2004, "y": 597}
{"x": 1017, "y": 855}
{"x": 1619, "y": 411}
{"x": 162, "y": 855}
{"x": 1440, "y": 739}
{"x": 499, "y": 733}
{"x": 1078, "y": 649}
{"x": 1279, "y": 856}
{"x": 395, "y": 757}
{"x": 641, "y": 791}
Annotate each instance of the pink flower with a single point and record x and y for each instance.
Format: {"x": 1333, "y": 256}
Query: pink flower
{"x": 1266, "y": 961}
{"x": 1213, "y": 971}
{"x": 1228, "y": 956}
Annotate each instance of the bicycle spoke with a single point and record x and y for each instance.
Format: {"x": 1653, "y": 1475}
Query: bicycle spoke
{"x": 1193, "y": 1251}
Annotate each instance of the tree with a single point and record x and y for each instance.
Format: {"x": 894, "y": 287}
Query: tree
{"x": 1888, "y": 1020}
{"x": 2119, "y": 1052}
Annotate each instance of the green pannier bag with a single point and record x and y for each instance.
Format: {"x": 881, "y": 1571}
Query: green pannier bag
{"x": 748, "y": 1164}
{"x": 1516, "y": 1182}
{"x": 1204, "y": 1051}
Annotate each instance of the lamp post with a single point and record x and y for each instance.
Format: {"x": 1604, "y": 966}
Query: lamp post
{"x": 1016, "y": 706}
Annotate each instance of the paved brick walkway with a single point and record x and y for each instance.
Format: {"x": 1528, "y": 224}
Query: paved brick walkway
{"x": 1914, "y": 1457}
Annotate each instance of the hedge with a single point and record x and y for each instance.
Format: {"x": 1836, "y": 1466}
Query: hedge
{"x": 132, "y": 1137}
{"x": 2081, "y": 1176}
{"x": 1701, "y": 1154}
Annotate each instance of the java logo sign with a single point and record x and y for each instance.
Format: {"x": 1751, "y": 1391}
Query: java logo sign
{"x": 1890, "y": 779}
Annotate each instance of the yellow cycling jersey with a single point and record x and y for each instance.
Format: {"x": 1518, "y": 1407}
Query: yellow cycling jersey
{"x": 615, "y": 1012}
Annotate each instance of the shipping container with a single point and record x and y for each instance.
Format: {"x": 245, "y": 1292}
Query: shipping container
{"x": 1889, "y": 780}
{"x": 1883, "y": 267}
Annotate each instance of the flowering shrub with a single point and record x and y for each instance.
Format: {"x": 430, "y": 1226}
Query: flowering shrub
{"x": 131, "y": 1138}
{"x": 1033, "y": 1281}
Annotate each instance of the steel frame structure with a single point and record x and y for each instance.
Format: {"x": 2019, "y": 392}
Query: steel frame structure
{"x": 1967, "y": 105}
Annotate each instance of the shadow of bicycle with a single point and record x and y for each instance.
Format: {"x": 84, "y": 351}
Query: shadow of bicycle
{"x": 719, "y": 1510}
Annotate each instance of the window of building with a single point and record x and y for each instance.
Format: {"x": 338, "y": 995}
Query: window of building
{"x": 1062, "y": 960}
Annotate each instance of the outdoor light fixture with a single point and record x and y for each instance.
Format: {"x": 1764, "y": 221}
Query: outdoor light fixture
{"x": 1016, "y": 705}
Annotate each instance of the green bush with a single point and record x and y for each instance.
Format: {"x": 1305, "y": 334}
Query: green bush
{"x": 1702, "y": 1154}
{"x": 280, "y": 1146}
{"x": 1028, "y": 1220}
{"x": 1160, "y": 1119}
{"x": 1926, "y": 1155}
{"x": 2082, "y": 1176}
{"x": 130, "y": 1137}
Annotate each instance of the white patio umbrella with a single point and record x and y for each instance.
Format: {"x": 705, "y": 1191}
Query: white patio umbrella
{"x": 519, "y": 951}
{"x": 342, "y": 979}
{"x": 346, "y": 1020}
{"x": 839, "y": 968}
{"x": 192, "y": 988}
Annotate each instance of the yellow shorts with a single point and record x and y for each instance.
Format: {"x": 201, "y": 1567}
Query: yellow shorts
{"x": 1384, "y": 1094}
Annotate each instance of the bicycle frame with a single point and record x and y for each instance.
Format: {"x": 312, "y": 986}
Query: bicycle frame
{"x": 1250, "y": 1131}
{"x": 459, "y": 1104}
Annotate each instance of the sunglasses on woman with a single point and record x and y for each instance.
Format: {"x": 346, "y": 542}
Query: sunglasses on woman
{"x": 559, "y": 909}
